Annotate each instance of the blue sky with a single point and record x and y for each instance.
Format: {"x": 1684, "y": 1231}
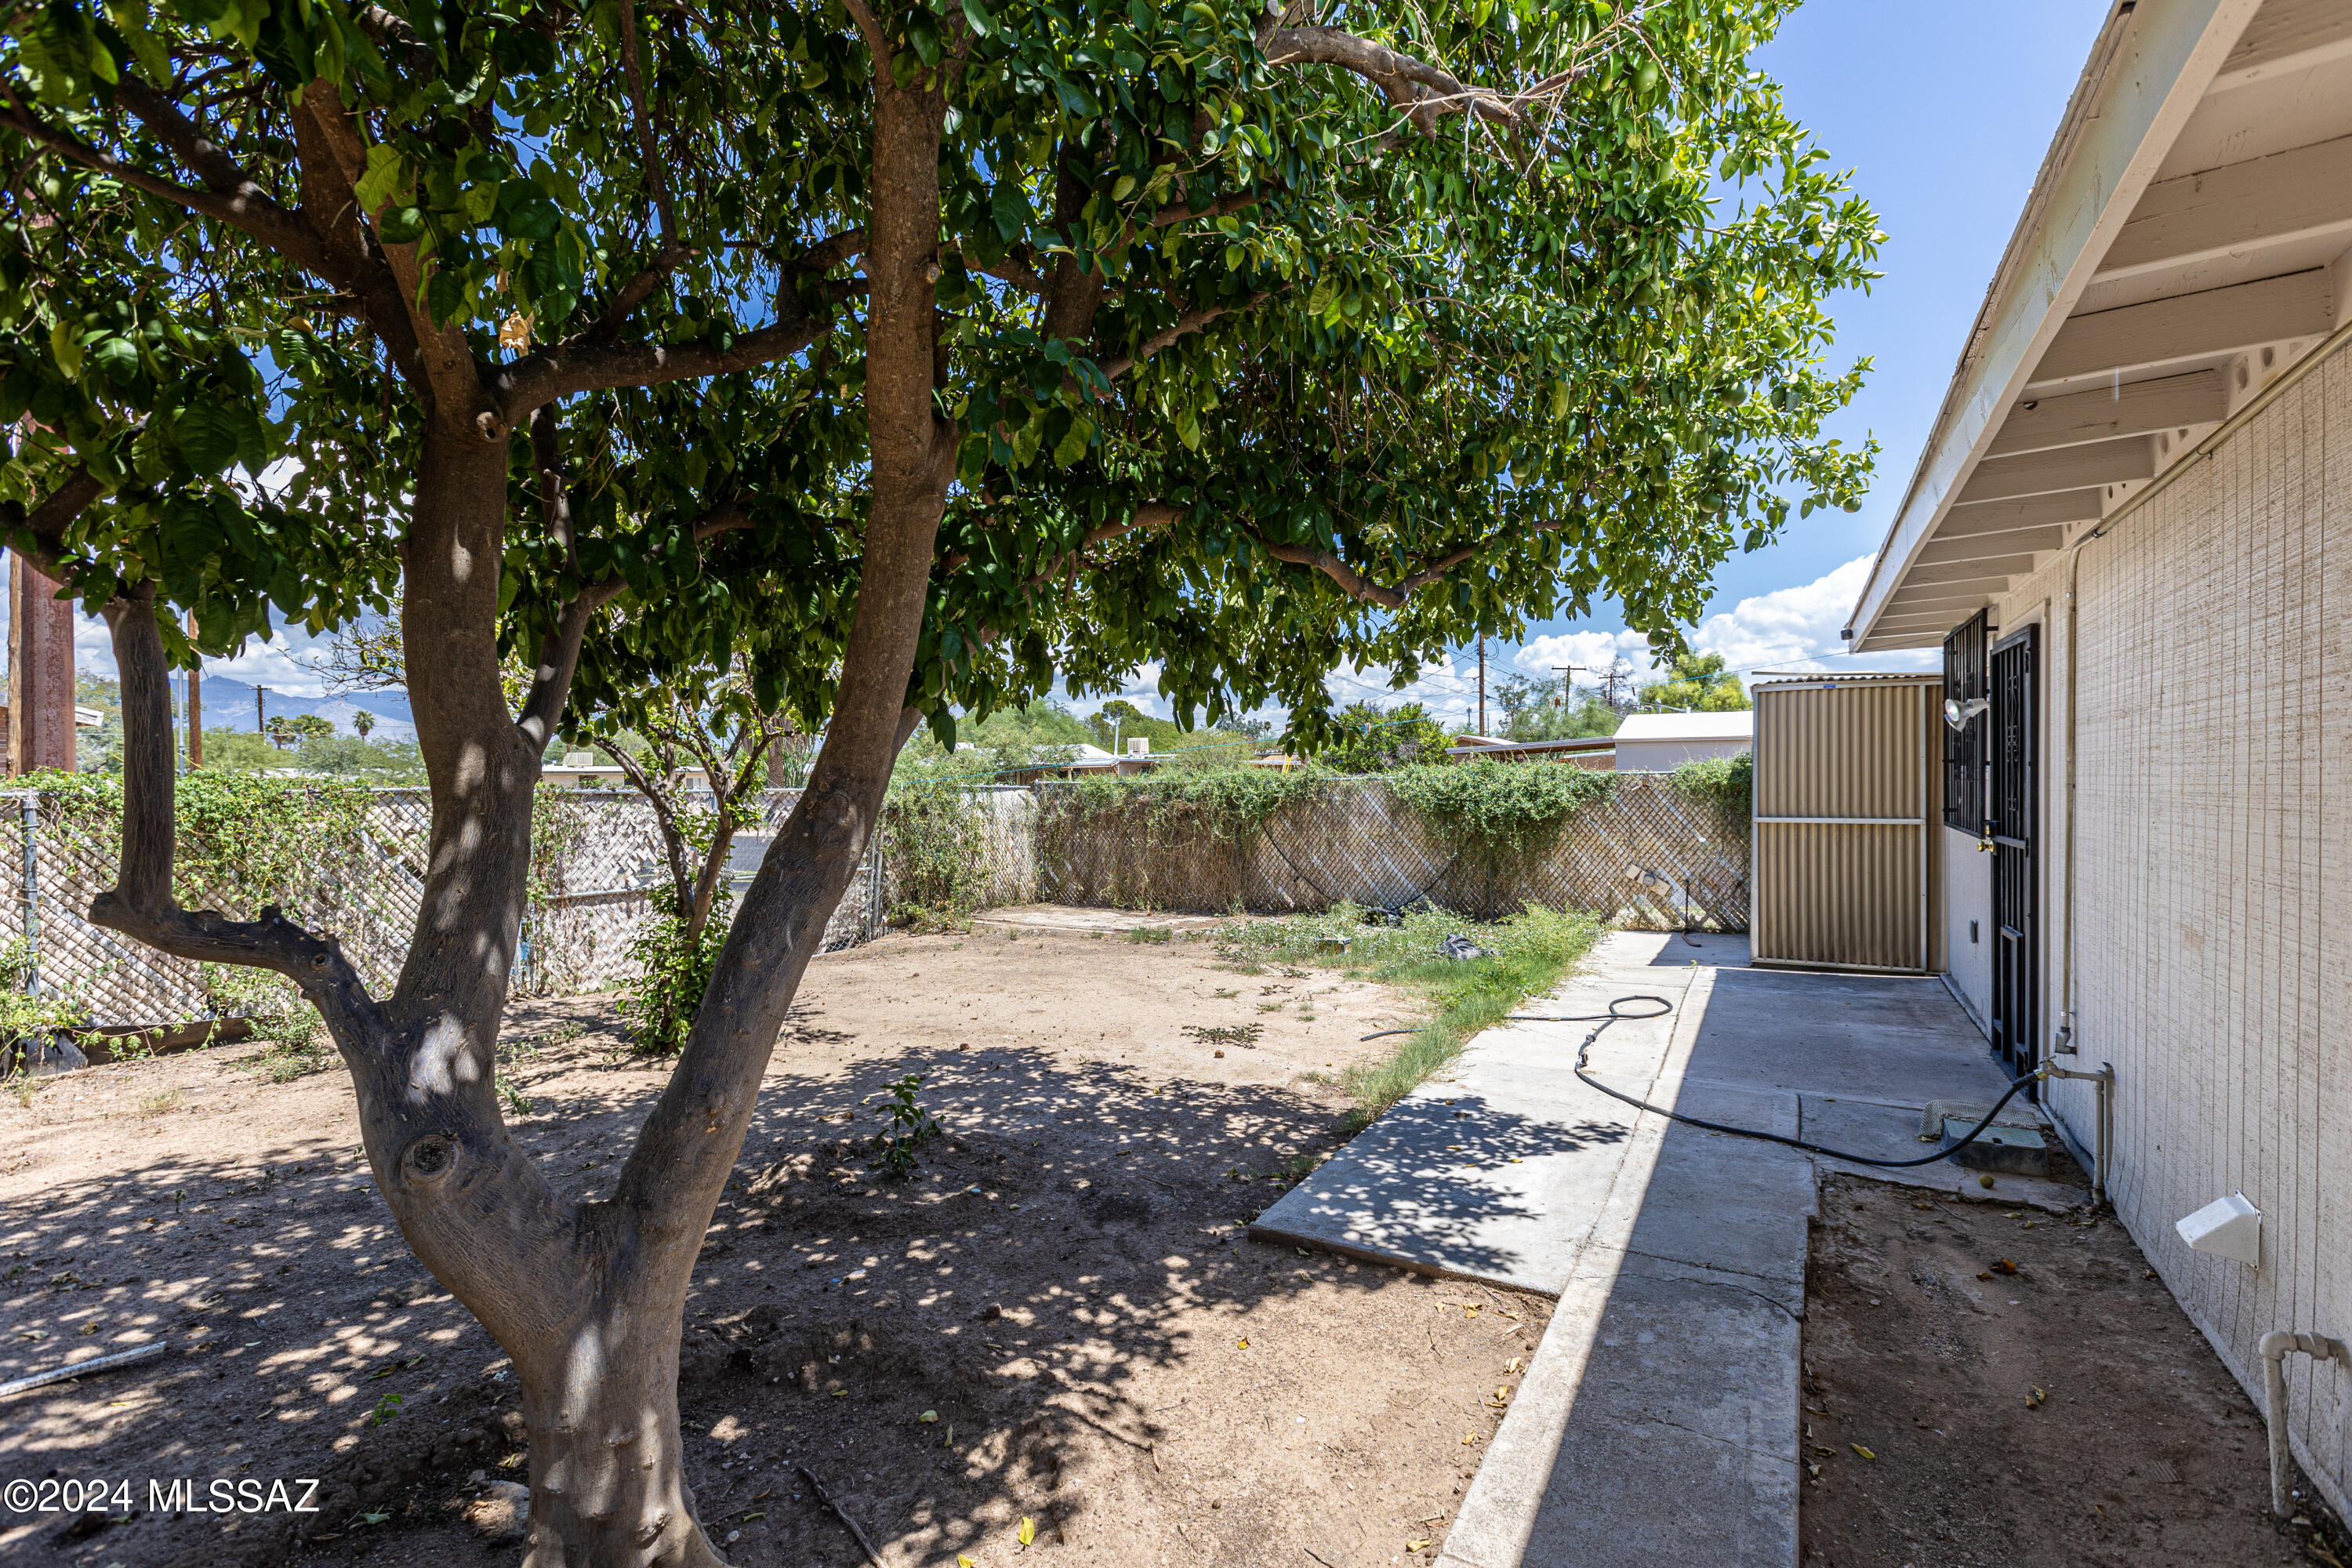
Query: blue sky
{"x": 1943, "y": 113}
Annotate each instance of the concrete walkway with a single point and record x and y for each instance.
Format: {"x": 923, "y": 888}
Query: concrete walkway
{"x": 1658, "y": 1423}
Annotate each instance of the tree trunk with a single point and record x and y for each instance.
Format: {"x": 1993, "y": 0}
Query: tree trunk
{"x": 608, "y": 1481}
{"x": 587, "y": 1297}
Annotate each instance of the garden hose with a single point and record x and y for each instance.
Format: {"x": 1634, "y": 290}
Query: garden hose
{"x": 1601, "y": 1021}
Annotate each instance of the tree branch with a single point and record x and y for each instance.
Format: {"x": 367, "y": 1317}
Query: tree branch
{"x": 681, "y": 875}
{"x": 243, "y": 204}
{"x": 141, "y": 904}
{"x": 1170, "y": 215}
{"x": 877, "y": 43}
{"x": 1423, "y": 91}
{"x": 1189, "y": 323}
{"x": 331, "y": 156}
{"x": 657, "y": 184}
{"x": 1021, "y": 275}
{"x": 635, "y": 292}
{"x": 39, "y": 533}
{"x": 578, "y": 365}
{"x": 1356, "y": 585}
{"x": 559, "y": 651}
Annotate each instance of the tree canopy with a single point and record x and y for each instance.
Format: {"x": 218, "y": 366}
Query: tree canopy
{"x": 901, "y": 357}
{"x": 1245, "y": 370}
{"x": 1698, "y": 682}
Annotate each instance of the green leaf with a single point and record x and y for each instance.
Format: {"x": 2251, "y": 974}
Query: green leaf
{"x": 65, "y": 349}
{"x": 526, "y": 212}
{"x": 976, "y": 12}
{"x": 385, "y": 178}
{"x": 1074, "y": 444}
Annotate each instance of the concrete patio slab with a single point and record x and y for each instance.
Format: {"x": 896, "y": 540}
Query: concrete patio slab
{"x": 1659, "y": 1420}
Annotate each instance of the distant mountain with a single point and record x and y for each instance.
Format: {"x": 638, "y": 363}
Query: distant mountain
{"x": 228, "y": 705}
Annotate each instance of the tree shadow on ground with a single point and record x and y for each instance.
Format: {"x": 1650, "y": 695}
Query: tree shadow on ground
{"x": 1045, "y": 1320}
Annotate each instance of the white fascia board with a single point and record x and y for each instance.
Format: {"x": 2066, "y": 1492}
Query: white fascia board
{"x": 2168, "y": 54}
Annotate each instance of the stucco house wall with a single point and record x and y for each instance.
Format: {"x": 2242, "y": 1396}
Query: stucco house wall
{"x": 2212, "y": 913}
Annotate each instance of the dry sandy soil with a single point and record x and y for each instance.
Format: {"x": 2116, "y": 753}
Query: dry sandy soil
{"x": 1062, "y": 1285}
{"x": 2065, "y": 1413}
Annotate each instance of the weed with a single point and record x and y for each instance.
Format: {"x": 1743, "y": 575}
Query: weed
{"x": 162, "y": 1103}
{"x": 910, "y": 1126}
{"x": 1525, "y": 955}
{"x": 1269, "y": 1007}
{"x": 1224, "y": 995}
{"x": 518, "y": 1103}
{"x": 1226, "y": 1033}
{"x": 1297, "y": 1169}
{"x": 385, "y": 1409}
{"x": 1150, "y": 933}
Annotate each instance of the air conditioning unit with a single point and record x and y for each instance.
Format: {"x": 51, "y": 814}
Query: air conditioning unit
{"x": 1138, "y": 746}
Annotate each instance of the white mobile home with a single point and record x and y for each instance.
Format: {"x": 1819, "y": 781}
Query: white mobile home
{"x": 2132, "y": 521}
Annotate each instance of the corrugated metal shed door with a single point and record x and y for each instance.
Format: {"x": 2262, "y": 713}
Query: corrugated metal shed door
{"x": 1845, "y": 790}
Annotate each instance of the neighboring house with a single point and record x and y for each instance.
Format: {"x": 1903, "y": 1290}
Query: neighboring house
{"x": 1661, "y": 743}
{"x": 1595, "y": 752}
{"x": 2132, "y": 521}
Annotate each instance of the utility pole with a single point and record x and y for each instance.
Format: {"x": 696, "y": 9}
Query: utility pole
{"x": 1609, "y": 681}
{"x": 1482, "y": 683}
{"x": 40, "y": 672}
{"x": 195, "y": 705}
{"x": 260, "y": 719}
{"x": 1568, "y": 686}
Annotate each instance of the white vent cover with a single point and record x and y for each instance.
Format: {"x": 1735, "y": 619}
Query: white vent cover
{"x": 2228, "y": 1227}
{"x": 1139, "y": 745}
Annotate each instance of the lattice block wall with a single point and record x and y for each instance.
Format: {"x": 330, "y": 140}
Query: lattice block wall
{"x": 1647, "y": 857}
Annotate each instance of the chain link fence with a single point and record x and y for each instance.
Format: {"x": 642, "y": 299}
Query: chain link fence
{"x": 596, "y": 859}
{"x": 1647, "y": 857}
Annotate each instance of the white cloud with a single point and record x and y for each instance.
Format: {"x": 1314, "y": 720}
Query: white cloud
{"x": 1143, "y": 689}
{"x": 1791, "y": 628}
{"x": 1590, "y": 652}
{"x": 284, "y": 663}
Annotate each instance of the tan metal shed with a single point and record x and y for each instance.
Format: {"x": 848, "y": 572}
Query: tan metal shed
{"x": 1849, "y": 782}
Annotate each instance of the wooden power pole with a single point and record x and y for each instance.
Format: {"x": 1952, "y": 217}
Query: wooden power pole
{"x": 40, "y": 672}
{"x": 195, "y": 705}
{"x": 1482, "y": 685}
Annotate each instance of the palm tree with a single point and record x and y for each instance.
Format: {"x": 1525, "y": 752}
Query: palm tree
{"x": 363, "y": 721}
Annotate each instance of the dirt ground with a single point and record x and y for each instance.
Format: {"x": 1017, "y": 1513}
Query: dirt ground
{"x": 2064, "y": 1414}
{"x": 1055, "y": 1319}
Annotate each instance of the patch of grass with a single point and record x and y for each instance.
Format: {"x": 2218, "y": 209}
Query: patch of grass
{"x": 162, "y": 1104}
{"x": 1527, "y": 955}
{"x": 1150, "y": 933}
{"x": 24, "y": 1086}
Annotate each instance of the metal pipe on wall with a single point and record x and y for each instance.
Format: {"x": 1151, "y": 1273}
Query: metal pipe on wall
{"x": 2277, "y": 1346}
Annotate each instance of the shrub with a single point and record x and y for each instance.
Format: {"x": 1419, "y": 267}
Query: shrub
{"x": 1727, "y": 783}
{"x": 657, "y": 1007}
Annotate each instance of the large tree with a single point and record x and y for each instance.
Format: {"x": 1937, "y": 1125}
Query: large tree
{"x": 909, "y": 354}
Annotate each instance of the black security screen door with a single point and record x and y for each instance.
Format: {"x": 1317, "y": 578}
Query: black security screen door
{"x": 2016, "y": 954}
{"x": 1964, "y": 682}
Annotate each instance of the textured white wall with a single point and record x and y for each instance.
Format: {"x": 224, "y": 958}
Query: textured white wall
{"x": 1967, "y": 884}
{"x": 1666, "y": 756}
{"x": 2213, "y": 916}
